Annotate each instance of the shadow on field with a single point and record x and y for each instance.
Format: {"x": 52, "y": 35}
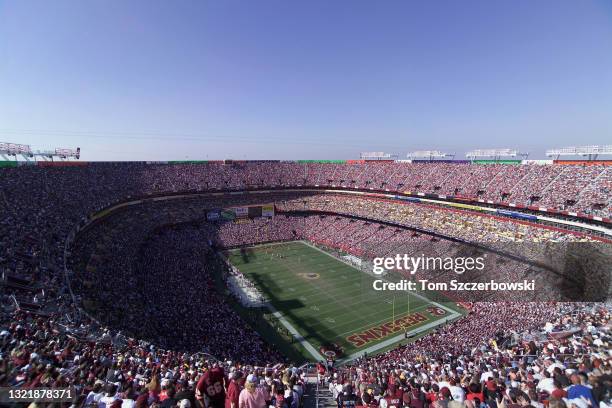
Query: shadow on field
{"x": 287, "y": 307}
{"x": 247, "y": 254}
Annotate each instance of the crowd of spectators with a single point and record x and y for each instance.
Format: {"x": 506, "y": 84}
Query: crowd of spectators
{"x": 554, "y": 186}
{"x": 459, "y": 224}
{"x": 130, "y": 252}
{"x": 522, "y": 355}
{"x": 108, "y": 371}
{"x": 368, "y": 240}
{"x": 41, "y": 205}
{"x": 147, "y": 273}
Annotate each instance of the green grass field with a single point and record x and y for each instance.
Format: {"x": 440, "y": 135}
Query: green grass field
{"x": 328, "y": 301}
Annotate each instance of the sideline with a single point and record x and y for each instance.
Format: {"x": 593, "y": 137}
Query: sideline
{"x": 309, "y": 347}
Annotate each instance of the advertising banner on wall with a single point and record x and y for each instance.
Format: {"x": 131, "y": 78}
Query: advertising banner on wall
{"x": 255, "y": 211}
{"x": 267, "y": 210}
{"x": 241, "y": 212}
{"x": 540, "y": 162}
{"x": 228, "y": 214}
{"x": 213, "y": 215}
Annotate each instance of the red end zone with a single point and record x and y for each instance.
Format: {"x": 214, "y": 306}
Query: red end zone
{"x": 400, "y": 324}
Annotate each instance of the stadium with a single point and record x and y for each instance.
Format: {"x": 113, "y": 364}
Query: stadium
{"x": 305, "y": 204}
{"x": 251, "y": 267}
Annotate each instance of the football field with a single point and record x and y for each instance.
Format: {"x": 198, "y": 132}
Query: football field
{"x": 323, "y": 301}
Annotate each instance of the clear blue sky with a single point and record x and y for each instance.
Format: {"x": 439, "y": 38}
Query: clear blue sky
{"x": 155, "y": 80}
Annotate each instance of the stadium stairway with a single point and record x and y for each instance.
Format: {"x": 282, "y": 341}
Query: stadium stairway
{"x": 319, "y": 397}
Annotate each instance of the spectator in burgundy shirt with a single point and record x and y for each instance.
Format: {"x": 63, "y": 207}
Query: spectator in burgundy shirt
{"x": 233, "y": 390}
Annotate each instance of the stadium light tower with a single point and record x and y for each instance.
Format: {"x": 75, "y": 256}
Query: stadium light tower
{"x": 377, "y": 156}
{"x": 8, "y": 150}
{"x": 13, "y": 149}
{"x": 429, "y": 154}
{"x": 586, "y": 151}
{"x": 495, "y": 154}
{"x": 61, "y": 153}
{"x": 68, "y": 153}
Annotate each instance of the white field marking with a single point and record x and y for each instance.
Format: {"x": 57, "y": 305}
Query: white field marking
{"x": 375, "y": 347}
{"x": 330, "y": 279}
{"x": 317, "y": 293}
{"x": 373, "y": 324}
{"x": 398, "y": 338}
{"x": 330, "y": 320}
{"x": 336, "y": 282}
{"x": 318, "y": 290}
{"x": 341, "y": 336}
{"x": 414, "y": 293}
{"x": 344, "y": 289}
{"x": 290, "y": 263}
{"x": 313, "y": 352}
{"x": 428, "y": 302}
{"x": 291, "y": 289}
{"x": 350, "y": 323}
{"x": 361, "y": 316}
{"x": 330, "y": 296}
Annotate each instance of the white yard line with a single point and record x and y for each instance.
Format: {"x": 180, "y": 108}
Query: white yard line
{"x": 378, "y": 323}
{"x": 315, "y": 353}
{"x": 350, "y": 264}
{"x": 309, "y": 347}
{"x": 398, "y": 338}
